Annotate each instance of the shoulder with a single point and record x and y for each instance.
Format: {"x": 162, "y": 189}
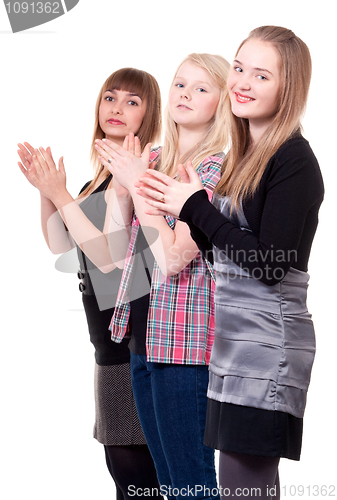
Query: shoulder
{"x": 295, "y": 161}
{"x": 210, "y": 167}
{"x": 296, "y": 152}
{"x": 85, "y": 187}
{"x": 211, "y": 162}
{"x": 209, "y": 171}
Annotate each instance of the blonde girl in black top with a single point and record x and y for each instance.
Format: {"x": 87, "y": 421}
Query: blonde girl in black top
{"x": 259, "y": 231}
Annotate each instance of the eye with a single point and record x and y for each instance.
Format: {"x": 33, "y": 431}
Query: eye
{"x": 133, "y": 103}
{"x": 261, "y": 77}
{"x": 200, "y": 89}
{"x": 108, "y": 98}
{"x": 179, "y": 85}
{"x": 237, "y": 69}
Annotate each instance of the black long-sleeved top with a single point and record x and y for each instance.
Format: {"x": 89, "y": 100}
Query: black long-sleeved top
{"x": 282, "y": 215}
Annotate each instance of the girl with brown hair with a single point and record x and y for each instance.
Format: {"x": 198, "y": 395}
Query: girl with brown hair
{"x": 128, "y": 102}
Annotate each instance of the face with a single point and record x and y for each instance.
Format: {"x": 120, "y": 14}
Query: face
{"x": 254, "y": 83}
{"x": 193, "y": 97}
{"x": 120, "y": 113}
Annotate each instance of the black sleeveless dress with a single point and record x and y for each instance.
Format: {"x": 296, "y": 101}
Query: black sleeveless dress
{"x": 116, "y": 421}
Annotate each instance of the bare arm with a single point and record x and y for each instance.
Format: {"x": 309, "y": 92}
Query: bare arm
{"x": 122, "y": 210}
{"x": 174, "y": 249}
{"x": 54, "y": 231}
{"x": 60, "y": 209}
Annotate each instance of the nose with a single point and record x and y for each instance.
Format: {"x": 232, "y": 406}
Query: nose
{"x": 244, "y": 84}
{"x": 184, "y": 93}
{"x": 117, "y": 108}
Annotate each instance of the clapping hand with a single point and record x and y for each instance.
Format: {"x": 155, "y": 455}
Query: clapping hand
{"x": 125, "y": 163}
{"x": 40, "y": 170}
{"x": 165, "y": 195}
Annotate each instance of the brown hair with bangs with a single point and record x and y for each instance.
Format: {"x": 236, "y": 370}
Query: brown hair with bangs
{"x": 137, "y": 82}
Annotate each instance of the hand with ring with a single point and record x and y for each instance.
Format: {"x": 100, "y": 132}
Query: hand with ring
{"x": 125, "y": 163}
{"x": 166, "y": 196}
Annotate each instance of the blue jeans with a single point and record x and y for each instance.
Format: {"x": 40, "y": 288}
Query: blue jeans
{"x": 171, "y": 403}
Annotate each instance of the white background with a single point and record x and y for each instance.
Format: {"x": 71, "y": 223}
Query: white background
{"x": 50, "y": 78}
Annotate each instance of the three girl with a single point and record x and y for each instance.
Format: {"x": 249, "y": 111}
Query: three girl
{"x": 129, "y": 101}
{"x": 172, "y": 337}
{"x": 259, "y": 231}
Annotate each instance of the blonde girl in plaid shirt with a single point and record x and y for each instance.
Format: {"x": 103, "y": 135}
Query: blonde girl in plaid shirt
{"x": 170, "y": 382}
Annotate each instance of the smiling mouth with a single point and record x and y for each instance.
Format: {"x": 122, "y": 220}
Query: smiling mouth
{"x": 242, "y": 98}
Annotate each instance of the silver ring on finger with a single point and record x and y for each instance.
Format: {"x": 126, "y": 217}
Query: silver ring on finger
{"x": 109, "y": 160}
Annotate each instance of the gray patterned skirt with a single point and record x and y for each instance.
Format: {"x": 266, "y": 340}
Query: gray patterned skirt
{"x": 117, "y": 420}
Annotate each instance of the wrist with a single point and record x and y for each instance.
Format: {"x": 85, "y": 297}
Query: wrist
{"x": 62, "y": 199}
{"x": 188, "y": 210}
{"x": 124, "y": 198}
{"x": 121, "y": 223}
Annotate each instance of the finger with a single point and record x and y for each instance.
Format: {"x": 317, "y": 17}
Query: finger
{"x": 38, "y": 162}
{"x": 146, "y": 153}
{"x": 183, "y": 174}
{"x": 154, "y": 211}
{"x": 23, "y": 149}
{"x": 131, "y": 147}
{"x": 108, "y": 164}
{"x": 165, "y": 179}
{"x": 112, "y": 147}
{"x": 50, "y": 153}
{"x": 107, "y": 154}
{"x": 49, "y": 162}
{"x": 104, "y": 149}
{"x": 138, "y": 148}
{"x": 191, "y": 171}
{"x": 103, "y": 154}
{"x": 28, "y": 173}
{"x": 23, "y": 169}
{"x": 26, "y": 161}
{"x": 126, "y": 143}
{"x": 157, "y": 205}
{"x": 150, "y": 182}
{"x": 61, "y": 166}
{"x": 29, "y": 147}
{"x": 152, "y": 194}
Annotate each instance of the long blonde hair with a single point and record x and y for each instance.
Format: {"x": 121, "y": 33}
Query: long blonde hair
{"x": 244, "y": 166}
{"x": 216, "y": 138}
{"x": 146, "y": 86}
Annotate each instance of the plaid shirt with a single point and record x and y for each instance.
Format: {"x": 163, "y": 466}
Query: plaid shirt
{"x": 180, "y": 325}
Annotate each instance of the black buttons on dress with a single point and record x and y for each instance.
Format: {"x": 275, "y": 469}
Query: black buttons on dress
{"x": 80, "y": 276}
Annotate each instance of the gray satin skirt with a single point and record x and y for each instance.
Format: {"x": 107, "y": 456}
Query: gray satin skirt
{"x": 261, "y": 363}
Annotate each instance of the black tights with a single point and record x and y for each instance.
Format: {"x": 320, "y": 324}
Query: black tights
{"x": 132, "y": 467}
{"x": 249, "y": 476}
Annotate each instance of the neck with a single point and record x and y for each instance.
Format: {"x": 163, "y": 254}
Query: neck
{"x": 116, "y": 140}
{"x": 256, "y": 131}
{"x": 187, "y": 139}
